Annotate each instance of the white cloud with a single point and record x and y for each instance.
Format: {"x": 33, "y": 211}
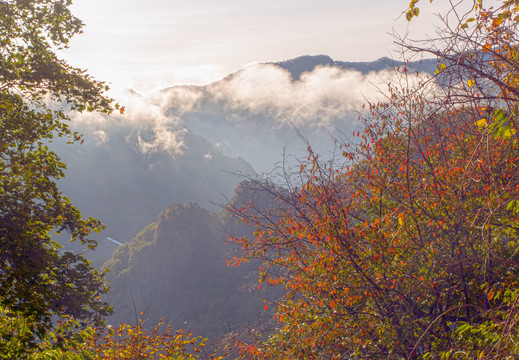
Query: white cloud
{"x": 150, "y": 129}
{"x": 100, "y": 136}
{"x": 155, "y": 131}
{"x": 239, "y": 112}
{"x": 180, "y": 99}
{"x": 164, "y": 139}
{"x": 315, "y": 101}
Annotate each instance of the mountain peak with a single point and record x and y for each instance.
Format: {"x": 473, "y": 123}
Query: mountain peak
{"x": 305, "y": 63}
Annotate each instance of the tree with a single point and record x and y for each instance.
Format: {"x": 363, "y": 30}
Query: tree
{"x": 36, "y": 90}
{"x": 406, "y": 246}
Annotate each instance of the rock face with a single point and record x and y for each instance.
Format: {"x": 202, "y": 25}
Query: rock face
{"x": 175, "y": 269}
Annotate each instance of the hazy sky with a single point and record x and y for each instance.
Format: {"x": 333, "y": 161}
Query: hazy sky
{"x": 150, "y": 44}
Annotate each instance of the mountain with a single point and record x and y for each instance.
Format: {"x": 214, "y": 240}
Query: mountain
{"x": 175, "y": 268}
{"x": 185, "y": 145}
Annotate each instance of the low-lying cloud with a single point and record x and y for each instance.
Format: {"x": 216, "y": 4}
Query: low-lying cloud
{"x": 149, "y": 129}
{"x": 314, "y": 101}
{"x": 245, "y": 109}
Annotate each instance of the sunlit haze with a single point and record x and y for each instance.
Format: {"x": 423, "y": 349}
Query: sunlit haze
{"x": 149, "y": 45}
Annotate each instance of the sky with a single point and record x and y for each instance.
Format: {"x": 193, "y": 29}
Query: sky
{"x": 147, "y": 45}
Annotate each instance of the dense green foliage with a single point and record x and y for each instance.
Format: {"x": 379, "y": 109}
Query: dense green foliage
{"x": 405, "y": 246}
{"x": 36, "y": 282}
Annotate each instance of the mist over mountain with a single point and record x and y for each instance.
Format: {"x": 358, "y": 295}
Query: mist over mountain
{"x": 127, "y": 188}
{"x": 260, "y": 112}
{"x": 187, "y": 143}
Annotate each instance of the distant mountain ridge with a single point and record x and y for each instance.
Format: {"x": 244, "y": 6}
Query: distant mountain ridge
{"x": 308, "y": 63}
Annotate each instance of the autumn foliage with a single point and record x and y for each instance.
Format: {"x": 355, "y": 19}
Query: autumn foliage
{"x": 405, "y": 245}
{"x": 134, "y": 342}
{"x": 69, "y": 340}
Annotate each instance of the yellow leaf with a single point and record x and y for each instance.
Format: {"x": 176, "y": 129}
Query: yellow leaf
{"x": 481, "y": 123}
{"x": 471, "y": 83}
{"x": 401, "y": 219}
{"x": 497, "y": 21}
{"x": 508, "y": 133}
